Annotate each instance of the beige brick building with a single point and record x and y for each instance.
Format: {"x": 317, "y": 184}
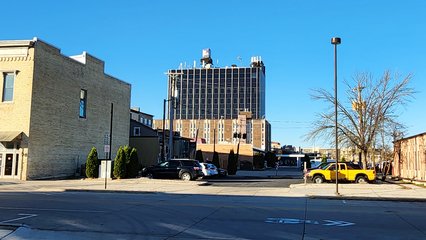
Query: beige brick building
{"x": 54, "y": 109}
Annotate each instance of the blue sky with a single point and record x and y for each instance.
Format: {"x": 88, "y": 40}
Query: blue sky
{"x": 140, "y": 40}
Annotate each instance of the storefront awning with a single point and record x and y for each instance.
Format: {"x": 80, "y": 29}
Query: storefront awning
{"x": 9, "y": 136}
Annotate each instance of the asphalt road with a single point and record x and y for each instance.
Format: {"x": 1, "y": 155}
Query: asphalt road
{"x": 88, "y": 215}
{"x": 252, "y": 182}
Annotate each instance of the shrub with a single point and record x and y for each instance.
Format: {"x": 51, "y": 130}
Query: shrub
{"x": 133, "y": 164}
{"x": 216, "y": 159}
{"x": 232, "y": 163}
{"x": 92, "y": 164}
{"x": 324, "y": 159}
{"x": 271, "y": 159}
{"x": 120, "y": 164}
{"x": 258, "y": 161}
{"x": 199, "y": 156}
{"x": 127, "y": 151}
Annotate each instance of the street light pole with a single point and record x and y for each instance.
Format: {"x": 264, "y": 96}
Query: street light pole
{"x": 214, "y": 136}
{"x": 336, "y": 41}
{"x": 163, "y": 142}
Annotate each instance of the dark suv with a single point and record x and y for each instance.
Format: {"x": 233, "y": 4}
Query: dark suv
{"x": 185, "y": 169}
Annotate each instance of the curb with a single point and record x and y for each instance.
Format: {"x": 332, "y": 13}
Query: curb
{"x": 357, "y": 198}
{"x": 109, "y": 191}
{"x": 10, "y": 226}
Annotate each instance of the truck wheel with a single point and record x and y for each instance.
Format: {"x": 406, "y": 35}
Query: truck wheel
{"x": 361, "y": 179}
{"x": 318, "y": 179}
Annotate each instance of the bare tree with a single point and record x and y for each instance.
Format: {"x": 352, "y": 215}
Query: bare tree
{"x": 369, "y": 108}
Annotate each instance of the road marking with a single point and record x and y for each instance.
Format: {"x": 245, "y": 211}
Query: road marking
{"x": 338, "y": 223}
{"x": 25, "y": 216}
{"x": 301, "y": 221}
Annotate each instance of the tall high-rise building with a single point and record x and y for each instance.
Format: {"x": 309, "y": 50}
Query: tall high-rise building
{"x": 215, "y": 93}
{"x": 220, "y": 105}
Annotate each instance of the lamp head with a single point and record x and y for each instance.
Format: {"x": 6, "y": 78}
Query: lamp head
{"x": 336, "y": 41}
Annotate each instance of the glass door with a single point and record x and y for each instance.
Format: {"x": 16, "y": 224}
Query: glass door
{"x": 8, "y": 164}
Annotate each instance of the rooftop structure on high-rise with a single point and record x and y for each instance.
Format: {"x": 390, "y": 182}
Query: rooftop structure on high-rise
{"x": 214, "y": 93}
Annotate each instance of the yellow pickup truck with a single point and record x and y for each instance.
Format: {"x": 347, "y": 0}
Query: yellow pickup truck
{"x": 347, "y": 172}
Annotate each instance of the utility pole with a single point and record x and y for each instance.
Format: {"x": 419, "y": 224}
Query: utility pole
{"x": 358, "y": 106}
{"x": 173, "y": 102}
{"x": 163, "y": 142}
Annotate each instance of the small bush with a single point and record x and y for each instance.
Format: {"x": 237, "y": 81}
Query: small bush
{"x": 323, "y": 159}
{"x": 232, "y": 163}
{"x": 92, "y": 164}
{"x": 271, "y": 159}
{"x": 199, "y": 156}
{"x": 216, "y": 159}
{"x": 120, "y": 164}
{"x": 127, "y": 151}
{"x": 258, "y": 161}
{"x": 133, "y": 164}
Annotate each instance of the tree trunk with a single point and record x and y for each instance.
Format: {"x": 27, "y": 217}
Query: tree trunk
{"x": 364, "y": 161}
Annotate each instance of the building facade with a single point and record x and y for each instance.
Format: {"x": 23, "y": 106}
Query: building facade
{"x": 215, "y": 93}
{"x": 410, "y": 158}
{"x": 54, "y": 109}
{"x": 221, "y": 105}
{"x": 146, "y": 141}
{"x": 144, "y": 118}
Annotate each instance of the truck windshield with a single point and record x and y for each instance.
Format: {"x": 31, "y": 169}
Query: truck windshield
{"x": 325, "y": 167}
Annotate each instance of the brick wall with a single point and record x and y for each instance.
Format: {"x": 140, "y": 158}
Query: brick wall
{"x": 46, "y": 109}
{"x": 15, "y": 115}
{"x": 59, "y": 140}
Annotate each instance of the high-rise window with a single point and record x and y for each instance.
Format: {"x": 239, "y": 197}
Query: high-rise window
{"x": 8, "y": 84}
{"x": 206, "y": 132}
{"x": 193, "y": 129}
{"x": 83, "y": 103}
{"x": 179, "y": 126}
{"x": 221, "y": 131}
{"x": 234, "y": 130}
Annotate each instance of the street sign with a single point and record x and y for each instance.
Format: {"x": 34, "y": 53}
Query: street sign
{"x": 107, "y": 148}
{"x": 106, "y": 138}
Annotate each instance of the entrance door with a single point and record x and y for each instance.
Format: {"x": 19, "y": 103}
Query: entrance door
{"x": 8, "y": 164}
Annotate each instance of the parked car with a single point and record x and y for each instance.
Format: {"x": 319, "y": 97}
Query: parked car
{"x": 209, "y": 169}
{"x": 185, "y": 169}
